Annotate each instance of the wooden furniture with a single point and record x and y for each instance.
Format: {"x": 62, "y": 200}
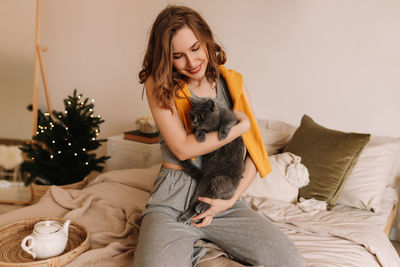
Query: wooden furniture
{"x": 390, "y": 220}
{"x": 126, "y": 154}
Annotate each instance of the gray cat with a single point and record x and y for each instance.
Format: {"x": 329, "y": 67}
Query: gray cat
{"x": 221, "y": 169}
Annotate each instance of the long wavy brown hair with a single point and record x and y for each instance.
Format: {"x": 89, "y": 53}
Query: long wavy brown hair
{"x": 157, "y": 62}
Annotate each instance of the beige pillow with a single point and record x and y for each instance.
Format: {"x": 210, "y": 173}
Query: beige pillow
{"x": 275, "y": 134}
{"x": 329, "y": 155}
{"x": 287, "y": 175}
{"x": 373, "y": 172}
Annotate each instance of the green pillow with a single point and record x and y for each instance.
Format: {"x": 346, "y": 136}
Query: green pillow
{"x": 329, "y": 156}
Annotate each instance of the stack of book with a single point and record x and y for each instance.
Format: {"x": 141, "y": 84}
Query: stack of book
{"x": 138, "y": 136}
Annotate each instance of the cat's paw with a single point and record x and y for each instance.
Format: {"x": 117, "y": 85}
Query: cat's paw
{"x": 201, "y": 207}
{"x": 200, "y": 136}
{"x": 185, "y": 217}
{"x": 222, "y": 134}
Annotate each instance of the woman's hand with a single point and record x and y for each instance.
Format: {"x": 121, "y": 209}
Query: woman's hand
{"x": 243, "y": 121}
{"x": 216, "y": 206}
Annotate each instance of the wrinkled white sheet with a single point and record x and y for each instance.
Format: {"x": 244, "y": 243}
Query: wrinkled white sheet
{"x": 330, "y": 238}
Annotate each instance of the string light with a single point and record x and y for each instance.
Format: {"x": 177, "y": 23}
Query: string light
{"x": 59, "y": 152}
{"x": 51, "y": 156}
{"x": 83, "y": 149}
{"x": 53, "y": 141}
{"x": 69, "y": 144}
{"x": 75, "y": 154}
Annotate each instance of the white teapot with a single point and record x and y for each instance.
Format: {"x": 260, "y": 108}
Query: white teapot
{"x": 48, "y": 239}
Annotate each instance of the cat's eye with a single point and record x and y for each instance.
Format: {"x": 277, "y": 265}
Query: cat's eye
{"x": 200, "y": 116}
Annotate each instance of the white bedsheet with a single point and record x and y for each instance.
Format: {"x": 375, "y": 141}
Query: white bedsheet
{"x": 331, "y": 238}
{"x": 380, "y": 218}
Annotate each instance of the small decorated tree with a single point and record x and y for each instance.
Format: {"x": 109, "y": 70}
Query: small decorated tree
{"x": 61, "y": 153}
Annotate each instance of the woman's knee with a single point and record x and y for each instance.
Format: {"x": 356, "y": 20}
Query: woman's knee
{"x": 282, "y": 253}
{"x": 163, "y": 242}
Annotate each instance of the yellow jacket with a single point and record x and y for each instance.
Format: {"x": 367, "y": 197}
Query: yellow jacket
{"x": 252, "y": 139}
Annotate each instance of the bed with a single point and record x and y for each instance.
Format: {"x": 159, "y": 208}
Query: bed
{"x": 349, "y": 229}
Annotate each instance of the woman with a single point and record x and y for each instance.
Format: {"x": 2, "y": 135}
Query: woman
{"x": 182, "y": 59}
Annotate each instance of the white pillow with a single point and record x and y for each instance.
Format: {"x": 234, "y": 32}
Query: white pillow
{"x": 287, "y": 175}
{"x": 373, "y": 172}
{"x": 275, "y": 134}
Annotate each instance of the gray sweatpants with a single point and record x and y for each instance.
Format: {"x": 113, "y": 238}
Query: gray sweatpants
{"x": 241, "y": 232}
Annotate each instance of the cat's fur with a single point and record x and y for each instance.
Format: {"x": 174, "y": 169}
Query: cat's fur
{"x": 221, "y": 169}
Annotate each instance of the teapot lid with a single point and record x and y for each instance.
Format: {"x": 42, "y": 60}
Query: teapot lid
{"x": 47, "y": 227}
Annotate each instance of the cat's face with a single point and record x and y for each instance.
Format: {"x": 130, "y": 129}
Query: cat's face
{"x": 204, "y": 114}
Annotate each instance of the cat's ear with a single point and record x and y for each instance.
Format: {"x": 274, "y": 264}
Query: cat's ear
{"x": 211, "y": 104}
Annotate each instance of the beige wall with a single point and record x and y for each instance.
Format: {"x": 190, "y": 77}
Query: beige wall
{"x": 337, "y": 61}
{"x": 15, "y": 118}
{"x": 17, "y": 33}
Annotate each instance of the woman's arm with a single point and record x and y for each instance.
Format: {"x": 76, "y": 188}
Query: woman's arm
{"x": 183, "y": 145}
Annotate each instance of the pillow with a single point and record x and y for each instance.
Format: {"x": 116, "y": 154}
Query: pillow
{"x": 329, "y": 155}
{"x": 275, "y": 134}
{"x": 373, "y": 172}
{"x": 282, "y": 183}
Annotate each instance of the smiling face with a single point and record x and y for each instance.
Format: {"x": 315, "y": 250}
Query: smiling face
{"x": 189, "y": 54}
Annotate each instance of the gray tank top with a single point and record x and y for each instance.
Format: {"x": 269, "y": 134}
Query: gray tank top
{"x": 223, "y": 98}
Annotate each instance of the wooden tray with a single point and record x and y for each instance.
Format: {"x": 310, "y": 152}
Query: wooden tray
{"x": 12, "y": 255}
